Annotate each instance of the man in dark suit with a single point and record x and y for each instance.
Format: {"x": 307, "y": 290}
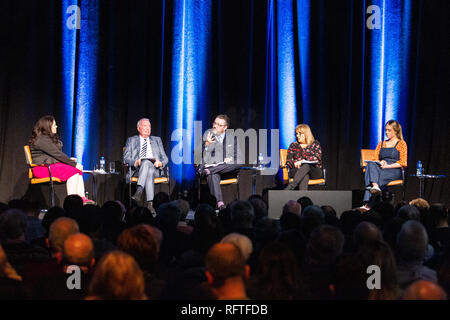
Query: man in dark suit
{"x": 220, "y": 156}
{"x": 145, "y": 155}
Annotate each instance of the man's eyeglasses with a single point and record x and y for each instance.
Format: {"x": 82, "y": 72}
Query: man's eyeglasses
{"x": 219, "y": 125}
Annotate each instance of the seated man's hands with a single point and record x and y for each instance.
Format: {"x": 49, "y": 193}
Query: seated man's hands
{"x": 158, "y": 164}
{"x": 137, "y": 163}
{"x": 228, "y": 160}
{"x": 298, "y": 164}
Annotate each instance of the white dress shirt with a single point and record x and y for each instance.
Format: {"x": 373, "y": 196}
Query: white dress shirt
{"x": 149, "y": 147}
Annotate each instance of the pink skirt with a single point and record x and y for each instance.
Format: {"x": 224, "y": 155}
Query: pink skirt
{"x": 59, "y": 170}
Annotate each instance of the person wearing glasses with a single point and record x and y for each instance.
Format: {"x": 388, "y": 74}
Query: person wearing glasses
{"x": 304, "y": 159}
{"x": 220, "y": 157}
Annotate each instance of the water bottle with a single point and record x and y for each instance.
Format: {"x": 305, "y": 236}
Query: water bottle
{"x": 260, "y": 161}
{"x": 419, "y": 170}
{"x": 102, "y": 164}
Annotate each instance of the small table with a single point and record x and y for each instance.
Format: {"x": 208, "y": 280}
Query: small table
{"x": 261, "y": 179}
{"x": 426, "y": 176}
{"x": 108, "y": 182}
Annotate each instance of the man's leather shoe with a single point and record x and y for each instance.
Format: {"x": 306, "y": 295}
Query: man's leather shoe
{"x": 150, "y": 207}
{"x": 137, "y": 195}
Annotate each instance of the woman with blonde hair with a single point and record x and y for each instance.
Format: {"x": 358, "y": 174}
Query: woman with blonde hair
{"x": 391, "y": 156}
{"x": 304, "y": 158}
{"x": 117, "y": 277}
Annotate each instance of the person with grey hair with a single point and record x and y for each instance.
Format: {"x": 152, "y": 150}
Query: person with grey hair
{"x": 242, "y": 242}
{"x": 59, "y": 231}
{"x": 412, "y": 248}
{"x": 144, "y": 154}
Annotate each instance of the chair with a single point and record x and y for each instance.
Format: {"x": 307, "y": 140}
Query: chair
{"x": 369, "y": 154}
{"x": 223, "y": 182}
{"x": 311, "y": 182}
{"x": 33, "y": 180}
{"x": 164, "y": 177}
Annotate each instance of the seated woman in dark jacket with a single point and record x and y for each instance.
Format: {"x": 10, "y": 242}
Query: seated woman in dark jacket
{"x": 304, "y": 158}
{"x": 46, "y": 148}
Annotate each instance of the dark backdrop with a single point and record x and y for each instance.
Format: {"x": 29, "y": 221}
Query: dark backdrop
{"x": 133, "y": 47}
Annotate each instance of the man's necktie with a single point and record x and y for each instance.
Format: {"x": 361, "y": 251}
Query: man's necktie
{"x": 144, "y": 149}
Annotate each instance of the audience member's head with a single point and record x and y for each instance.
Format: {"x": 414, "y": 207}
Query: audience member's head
{"x": 138, "y": 215}
{"x": 159, "y": 199}
{"x": 79, "y": 250}
{"x": 329, "y": 211}
{"x": 386, "y": 211}
{"x": 420, "y": 204}
{"x": 438, "y": 215}
{"x": 278, "y": 273}
{"x": 59, "y": 231}
{"x": 312, "y": 217}
{"x": 412, "y": 241}
{"x": 349, "y": 220}
{"x": 424, "y": 290}
{"x": 73, "y": 204}
{"x": 240, "y": 241}
{"x": 242, "y": 215}
{"x": 3, "y": 207}
{"x": 325, "y": 245}
{"x": 379, "y": 253}
{"x": 259, "y": 206}
{"x": 112, "y": 220}
{"x": 50, "y": 216}
{"x": 13, "y": 223}
{"x": 226, "y": 271}
{"x": 184, "y": 207}
{"x": 349, "y": 278}
{"x": 305, "y": 202}
{"x": 290, "y": 221}
{"x": 365, "y": 233}
{"x": 117, "y": 277}
{"x": 295, "y": 240}
{"x": 139, "y": 241}
{"x": 6, "y": 270}
{"x": 207, "y": 228}
{"x": 293, "y": 207}
{"x": 90, "y": 220}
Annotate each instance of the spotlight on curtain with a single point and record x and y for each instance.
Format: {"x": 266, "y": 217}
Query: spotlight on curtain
{"x": 388, "y": 63}
{"x": 80, "y": 49}
{"x": 280, "y": 70}
{"x": 190, "y": 83}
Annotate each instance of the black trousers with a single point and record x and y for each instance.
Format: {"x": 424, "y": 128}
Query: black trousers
{"x": 303, "y": 174}
{"x": 214, "y": 178}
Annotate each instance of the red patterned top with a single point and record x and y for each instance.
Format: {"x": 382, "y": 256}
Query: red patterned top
{"x": 311, "y": 153}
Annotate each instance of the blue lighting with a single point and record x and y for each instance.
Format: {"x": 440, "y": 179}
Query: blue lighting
{"x": 190, "y": 85}
{"x": 69, "y": 45}
{"x": 303, "y": 17}
{"x": 286, "y": 72}
{"x": 280, "y": 70}
{"x": 389, "y": 60}
{"x": 86, "y": 112}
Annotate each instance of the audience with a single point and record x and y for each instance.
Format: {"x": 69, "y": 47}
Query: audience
{"x": 311, "y": 252}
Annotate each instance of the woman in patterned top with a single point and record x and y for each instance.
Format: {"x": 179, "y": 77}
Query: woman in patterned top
{"x": 306, "y": 148}
{"x": 391, "y": 156}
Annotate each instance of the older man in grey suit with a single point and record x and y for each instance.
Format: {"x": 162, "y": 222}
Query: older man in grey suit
{"x": 144, "y": 154}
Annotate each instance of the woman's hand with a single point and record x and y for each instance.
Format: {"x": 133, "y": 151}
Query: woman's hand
{"x": 383, "y": 162}
{"x": 298, "y": 164}
{"x": 79, "y": 166}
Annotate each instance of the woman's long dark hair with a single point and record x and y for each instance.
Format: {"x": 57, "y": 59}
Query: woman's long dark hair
{"x": 43, "y": 127}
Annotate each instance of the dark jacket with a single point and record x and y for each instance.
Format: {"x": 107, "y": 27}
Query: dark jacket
{"x": 45, "y": 151}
